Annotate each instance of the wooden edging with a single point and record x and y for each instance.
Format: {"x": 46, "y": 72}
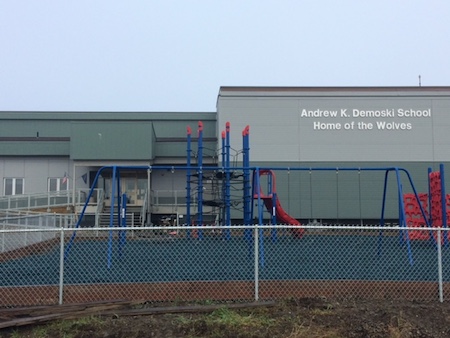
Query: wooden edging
{"x": 42, "y": 314}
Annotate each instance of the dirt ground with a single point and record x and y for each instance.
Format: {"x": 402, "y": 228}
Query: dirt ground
{"x": 290, "y": 318}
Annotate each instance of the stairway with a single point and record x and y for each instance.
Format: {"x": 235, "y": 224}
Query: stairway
{"x": 132, "y": 218}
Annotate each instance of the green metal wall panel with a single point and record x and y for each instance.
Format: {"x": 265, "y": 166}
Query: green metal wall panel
{"x": 32, "y": 128}
{"x": 111, "y": 141}
{"x": 34, "y": 148}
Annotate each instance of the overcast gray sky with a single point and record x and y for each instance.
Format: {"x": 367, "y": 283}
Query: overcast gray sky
{"x": 162, "y": 55}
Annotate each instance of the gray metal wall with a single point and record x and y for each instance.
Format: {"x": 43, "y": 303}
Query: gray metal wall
{"x": 36, "y": 171}
{"x": 340, "y": 127}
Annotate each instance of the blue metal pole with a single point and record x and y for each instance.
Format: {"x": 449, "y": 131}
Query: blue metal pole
{"x": 260, "y": 221}
{"x": 200, "y": 180}
{"x": 227, "y": 182}
{"x": 223, "y": 192}
{"x": 247, "y": 186}
{"x": 111, "y": 215}
{"x": 430, "y": 217}
{"x": 119, "y": 198}
{"x": 188, "y": 181}
{"x": 402, "y": 217}
{"x": 123, "y": 219}
{"x": 380, "y": 235}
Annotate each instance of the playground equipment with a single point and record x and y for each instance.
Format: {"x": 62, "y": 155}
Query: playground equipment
{"x": 232, "y": 179}
{"x": 432, "y": 208}
{"x": 272, "y": 203}
{"x": 248, "y": 180}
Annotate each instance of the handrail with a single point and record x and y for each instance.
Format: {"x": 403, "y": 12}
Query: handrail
{"x": 36, "y": 200}
{"x": 42, "y": 200}
{"x": 40, "y": 220}
{"x": 144, "y": 208}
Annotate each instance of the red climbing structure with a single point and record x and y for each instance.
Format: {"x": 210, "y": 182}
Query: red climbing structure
{"x": 414, "y": 217}
{"x": 433, "y": 212}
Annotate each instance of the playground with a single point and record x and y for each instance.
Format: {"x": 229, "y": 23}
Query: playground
{"x": 333, "y": 263}
{"x": 271, "y": 255}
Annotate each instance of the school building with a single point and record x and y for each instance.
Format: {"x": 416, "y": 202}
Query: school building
{"x": 330, "y": 147}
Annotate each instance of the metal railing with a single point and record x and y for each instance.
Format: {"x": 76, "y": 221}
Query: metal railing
{"x": 223, "y": 263}
{"x": 33, "y": 201}
{"x": 170, "y": 197}
{"x": 49, "y": 199}
{"x": 100, "y": 205}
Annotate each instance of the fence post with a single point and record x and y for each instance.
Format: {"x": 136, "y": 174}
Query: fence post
{"x": 61, "y": 266}
{"x": 439, "y": 250}
{"x": 256, "y": 241}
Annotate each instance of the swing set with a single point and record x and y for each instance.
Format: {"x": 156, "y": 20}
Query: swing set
{"x": 267, "y": 198}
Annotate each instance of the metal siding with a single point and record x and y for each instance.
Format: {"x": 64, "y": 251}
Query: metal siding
{"x": 34, "y": 148}
{"x": 21, "y": 128}
{"x": 111, "y": 141}
{"x": 36, "y": 171}
{"x": 178, "y": 129}
{"x": 58, "y": 124}
{"x": 278, "y": 132}
{"x": 273, "y": 129}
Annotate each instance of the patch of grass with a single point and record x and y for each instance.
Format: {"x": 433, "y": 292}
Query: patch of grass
{"x": 71, "y": 327}
{"x": 63, "y": 328}
{"x": 228, "y": 318}
{"x": 322, "y": 312}
{"x": 302, "y": 331}
{"x": 15, "y": 334}
{"x": 225, "y": 322}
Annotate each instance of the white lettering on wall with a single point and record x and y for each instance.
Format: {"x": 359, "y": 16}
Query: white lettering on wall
{"x": 387, "y": 119}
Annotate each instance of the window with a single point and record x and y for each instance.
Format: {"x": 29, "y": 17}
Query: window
{"x": 13, "y": 186}
{"x": 58, "y": 183}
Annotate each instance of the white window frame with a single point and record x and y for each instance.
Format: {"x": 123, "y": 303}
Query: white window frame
{"x": 13, "y": 185}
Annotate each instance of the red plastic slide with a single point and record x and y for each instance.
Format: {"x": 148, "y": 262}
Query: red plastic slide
{"x": 281, "y": 215}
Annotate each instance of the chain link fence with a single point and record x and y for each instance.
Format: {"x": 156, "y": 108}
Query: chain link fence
{"x": 221, "y": 263}
{"x": 34, "y": 222}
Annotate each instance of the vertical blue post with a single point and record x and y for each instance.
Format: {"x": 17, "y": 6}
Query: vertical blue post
{"x": 383, "y": 206}
{"x": 227, "y": 181}
{"x": 402, "y": 217}
{"x": 247, "y": 187}
{"x": 188, "y": 181}
{"x": 443, "y": 203}
{"x": 260, "y": 220}
{"x": 223, "y": 192}
{"x": 119, "y": 197}
{"x": 123, "y": 223}
{"x": 271, "y": 192}
{"x": 430, "y": 217}
{"x": 111, "y": 215}
{"x": 200, "y": 180}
